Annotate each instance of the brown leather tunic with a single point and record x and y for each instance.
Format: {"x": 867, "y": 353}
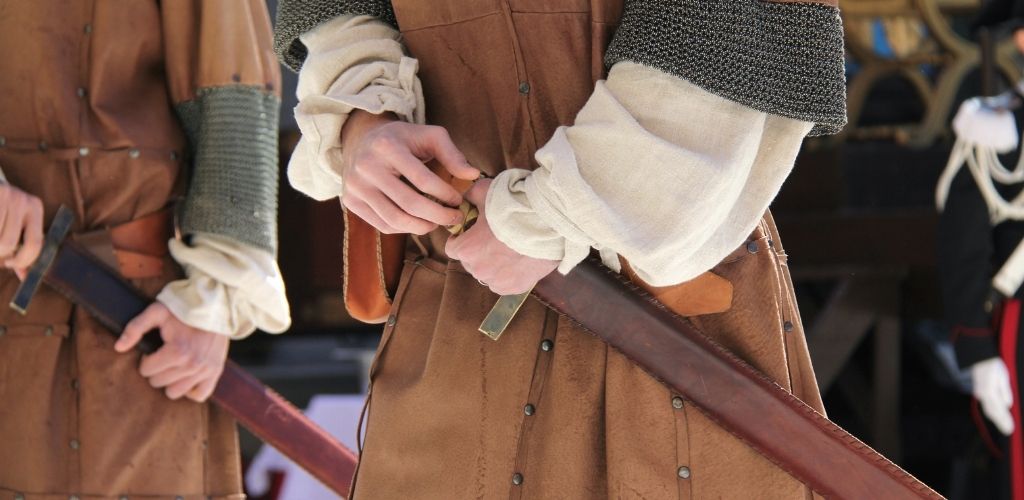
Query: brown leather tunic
{"x": 548, "y": 411}
{"x": 87, "y": 95}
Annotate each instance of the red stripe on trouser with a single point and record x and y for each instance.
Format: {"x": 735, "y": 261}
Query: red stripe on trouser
{"x": 1008, "y": 348}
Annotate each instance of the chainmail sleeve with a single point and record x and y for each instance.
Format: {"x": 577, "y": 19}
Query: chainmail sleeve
{"x": 779, "y": 57}
{"x": 295, "y": 17}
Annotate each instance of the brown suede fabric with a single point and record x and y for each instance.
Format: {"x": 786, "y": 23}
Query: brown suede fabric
{"x": 548, "y": 411}
{"x": 86, "y": 120}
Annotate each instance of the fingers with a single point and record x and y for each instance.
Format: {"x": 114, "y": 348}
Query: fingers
{"x": 394, "y": 216}
{"x": 150, "y": 319}
{"x": 417, "y": 205}
{"x": 1000, "y": 417}
{"x": 477, "y": 195}
{"x": 185, "y": 385}
{"x": 434, "y": 142}
{"x": 173, "y": 375}
{"x": 1006, "y": 393}
{"x": 32, "y": 238}
{"x": 363, "y": 211}
{"x": 23, "y": 214}
{"x": 417, "y": 173}
{"x": 204, "y": 389}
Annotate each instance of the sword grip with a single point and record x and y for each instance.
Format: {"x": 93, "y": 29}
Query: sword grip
{"x": 150, "y": 342}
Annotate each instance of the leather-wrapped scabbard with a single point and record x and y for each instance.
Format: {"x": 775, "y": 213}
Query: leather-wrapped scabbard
{"x": 729, "y": 391}
{"x": 89, "y": 283}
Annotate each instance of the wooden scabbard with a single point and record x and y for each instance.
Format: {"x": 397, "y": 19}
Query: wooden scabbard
{"x": 89, "y": 283}
{"x": 739, "y": 398}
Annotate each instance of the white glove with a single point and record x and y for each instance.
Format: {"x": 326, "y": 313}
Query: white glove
{"x": 991, "y": 384}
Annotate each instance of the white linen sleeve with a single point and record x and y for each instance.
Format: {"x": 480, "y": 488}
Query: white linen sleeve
{"x": 354, "y": 62}
{"x": 655, "y": 169}
{"x": 230, "y": 288}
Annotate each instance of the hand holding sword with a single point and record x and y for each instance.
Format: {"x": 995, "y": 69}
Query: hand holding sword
{"x": 191, "y": 360}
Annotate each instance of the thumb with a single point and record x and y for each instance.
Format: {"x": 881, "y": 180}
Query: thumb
{"x": 477, "y": 195}
{"x": 150, "y": 319}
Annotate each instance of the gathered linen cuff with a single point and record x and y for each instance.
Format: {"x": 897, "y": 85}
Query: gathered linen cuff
{"x": 655, "y": 169}
{"x": 230, "y": 288}
{"x": 354, "y": 62}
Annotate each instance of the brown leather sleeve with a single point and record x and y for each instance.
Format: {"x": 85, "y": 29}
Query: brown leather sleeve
{"x": 218, "y": 43}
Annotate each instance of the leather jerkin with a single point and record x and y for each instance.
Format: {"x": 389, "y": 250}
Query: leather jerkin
{"x": 86, "y": 281}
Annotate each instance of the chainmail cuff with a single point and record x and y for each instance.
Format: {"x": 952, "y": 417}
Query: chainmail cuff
{"x": 295, "y": 17}
{"x": 780, "y": 58}
{"x": 232, "y": 133}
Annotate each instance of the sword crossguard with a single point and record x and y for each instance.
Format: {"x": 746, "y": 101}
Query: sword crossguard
{"x": 58, "y": 231}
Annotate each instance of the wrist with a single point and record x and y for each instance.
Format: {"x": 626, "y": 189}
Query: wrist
{"x": 359, "y": 123}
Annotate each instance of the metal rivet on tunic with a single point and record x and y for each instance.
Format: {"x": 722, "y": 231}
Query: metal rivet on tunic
{"x": 87, "y": 29}
{"x": 788, "y": 326}
{"x": 74, "y": 444}
{"x": 771, "y": 243}
{"x": 83, "y": 151}
{"x": 270, "y": 86}
{"x": 179, "y": 498}
{"x": 122, "y": 497}
{"x": 524, "y": 88}
{"x": 43, "y": 146}
{"x": 236, "y": 77}
{"x": 73, "y": 497}
{"x": 391, "y": 320}
{"x": 133, "y": 153}
{"x": 48, "y": 332}
{"x": 684, "y": 472}
{"x": 19, "y": 496}
{"x": 677, "y": 403}
{"x": 82, "y": 92}
{"x": 517, "y": 479}
{"x": 3, "y": 141}
{"x": 74, "y": 384}
{"x": 752, "y": 247}
{"x": 529, "y": 409}
{"x": 3, "y": 330}
{"x": 547, "y": 345}
{"x": 174, "y": 155}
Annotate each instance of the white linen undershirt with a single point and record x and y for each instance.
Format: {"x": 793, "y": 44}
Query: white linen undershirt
{"x": 655, "y": 169}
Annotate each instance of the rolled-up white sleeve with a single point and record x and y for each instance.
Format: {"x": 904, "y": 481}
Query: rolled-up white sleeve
{"x": 229, "y": 288}
{"x": 354, "y": 62}
{"x": 655, "y": 169}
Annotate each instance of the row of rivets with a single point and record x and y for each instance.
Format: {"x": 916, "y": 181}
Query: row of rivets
{"x": 48, "y": 331}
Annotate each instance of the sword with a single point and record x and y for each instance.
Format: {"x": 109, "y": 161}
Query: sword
{"x": 741, "y": 399}
{"x": 87, "y": 282}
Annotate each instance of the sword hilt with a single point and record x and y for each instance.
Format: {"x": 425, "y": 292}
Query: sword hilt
{"x": 55, "y": 236}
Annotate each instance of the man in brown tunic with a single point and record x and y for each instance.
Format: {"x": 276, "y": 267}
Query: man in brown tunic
{"x": 116, "y": 109}
{"x": 652, "y": 131}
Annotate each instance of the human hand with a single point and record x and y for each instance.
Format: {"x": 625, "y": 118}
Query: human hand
{"x": 190, "y": 361}
{"x": 1018, "y": 40}
{"x": 381, "y": 157}
{"x": 21, "y": 221}
{"x": 503, "y": 270}
{"x": 991, "y": 387}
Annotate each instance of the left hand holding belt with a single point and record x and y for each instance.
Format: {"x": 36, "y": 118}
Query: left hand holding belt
{"x": 493, "y": 263}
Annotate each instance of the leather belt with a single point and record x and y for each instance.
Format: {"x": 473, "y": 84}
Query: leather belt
{"x": 137, "y": 248}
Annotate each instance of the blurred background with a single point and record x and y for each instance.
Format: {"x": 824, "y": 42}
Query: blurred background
{"x": 857, "y": 218}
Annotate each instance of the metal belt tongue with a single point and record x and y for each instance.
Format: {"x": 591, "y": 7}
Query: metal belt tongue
{"x": 505, "y": 309}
